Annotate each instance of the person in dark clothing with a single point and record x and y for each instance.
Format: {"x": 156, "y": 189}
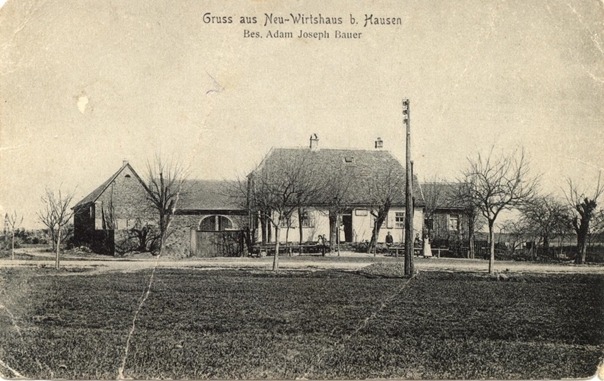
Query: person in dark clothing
{"x": 389, "y": 240}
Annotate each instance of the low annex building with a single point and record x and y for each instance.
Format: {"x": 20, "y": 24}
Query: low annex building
{"x": 448, "y": 220}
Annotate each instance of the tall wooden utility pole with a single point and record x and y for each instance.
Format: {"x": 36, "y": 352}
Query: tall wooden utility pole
{"x": 408, "y": 193}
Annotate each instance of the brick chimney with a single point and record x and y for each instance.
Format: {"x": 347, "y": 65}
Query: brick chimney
{"x": 379, "y": 143}
{"x": 314, "y": 142}
{"x": 124, "y": 163}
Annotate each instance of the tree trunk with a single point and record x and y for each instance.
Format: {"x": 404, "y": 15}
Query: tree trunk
{"x": 376, "y": 230}
{"x": 53, "y": 238}
{"x": 491, "y": 247}
{"x": 161, "y": 244}
{"x": 263, "y": 228}
{"x": 471, "y": 236}
{"x": 332, "y": 230}
{"x": 338, "y": 234}
{"x": 12, "y": 245}
{"x": 276, "y": 256}
{"x": 373, "y": 239}
{"x": 581, "y": 243}
{"x": 269, "y": 231}
{"x": 57, "y": 263}
{"x": 581, "y": 249}
{"x": 287, "y": 248}
{"x": 300, "y": 230}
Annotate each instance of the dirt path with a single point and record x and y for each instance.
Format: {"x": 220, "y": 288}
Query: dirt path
{"x": 347, "y": 261}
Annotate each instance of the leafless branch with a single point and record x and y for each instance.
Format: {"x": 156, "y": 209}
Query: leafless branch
{"x": 165, "y": 183}
{"x": 55, "y": 215}
{"x": 495, "y": 183}
{"x": 584, "y": 209}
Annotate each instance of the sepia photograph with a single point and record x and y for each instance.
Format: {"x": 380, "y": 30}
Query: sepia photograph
{"x": 301, "y": 190}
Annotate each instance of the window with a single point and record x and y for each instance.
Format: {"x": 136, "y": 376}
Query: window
{"x": 399, "y": 220}
{"x": 306, "y": 219}
{"x": 453, "y": 223}
{"x": 215, "y": 223}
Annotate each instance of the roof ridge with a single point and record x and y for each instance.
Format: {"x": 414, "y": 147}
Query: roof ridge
{"x": 335, "y": 149}
{"x": 98, "y": 191}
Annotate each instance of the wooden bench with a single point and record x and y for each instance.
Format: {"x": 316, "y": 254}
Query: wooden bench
{"x": 269, "y": 249}
{"x": 417, "y": 251}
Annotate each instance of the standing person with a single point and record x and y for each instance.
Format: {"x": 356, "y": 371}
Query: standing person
{"x": 321, "y": 241}
{"x": 389, "y": 241}
{"x": 427, "y": 249}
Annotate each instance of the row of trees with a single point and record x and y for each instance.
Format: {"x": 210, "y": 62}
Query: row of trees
{"x": 497, "y": 182}
{"x": 275, "y": 192}
{"x": 490, "y": 185}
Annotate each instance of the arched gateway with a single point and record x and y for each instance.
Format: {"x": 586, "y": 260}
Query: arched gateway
{"x": 215, "y": 223}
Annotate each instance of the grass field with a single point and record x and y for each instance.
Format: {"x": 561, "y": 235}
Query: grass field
{"x": 201, "y": 324}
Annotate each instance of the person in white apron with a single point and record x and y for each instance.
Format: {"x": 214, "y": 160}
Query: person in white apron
{"x": 427, "y": 248}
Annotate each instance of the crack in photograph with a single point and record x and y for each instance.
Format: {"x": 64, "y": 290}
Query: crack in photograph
{"x": 396, "y": 189}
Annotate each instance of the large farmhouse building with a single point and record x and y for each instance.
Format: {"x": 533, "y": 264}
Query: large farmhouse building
{"x": 356, "y": 184}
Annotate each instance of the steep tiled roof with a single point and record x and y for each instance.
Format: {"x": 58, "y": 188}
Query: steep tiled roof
{"x": 359, "y": 166}
{"x": 211, "y": 195}
{"x": 95, "y": 194}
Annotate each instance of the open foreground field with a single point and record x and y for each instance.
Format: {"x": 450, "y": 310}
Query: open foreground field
{"x": 327, "y": 323}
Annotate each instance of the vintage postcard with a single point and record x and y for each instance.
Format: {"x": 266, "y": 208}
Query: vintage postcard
{"x": 253, "y": 189}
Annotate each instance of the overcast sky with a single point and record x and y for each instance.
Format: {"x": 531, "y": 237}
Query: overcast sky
{"x": 86, "y": 84}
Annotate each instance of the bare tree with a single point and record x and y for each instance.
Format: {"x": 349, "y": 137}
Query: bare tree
{"x": 12, "y": 221}
{"x": 239, "y": 191}
{"x": 277, "y": 189}
{"x": 56, "y": 216}
{"x": 382, "y": 189}
{"x": 545, "y": 217}
{"x": 165, "y": 181}
{"x": 336, "y": 199}
{"x": 517, "y": 233}
{"x": 584, "y": 209}
{"x": 596, "y": 227}
{"x": 496, "y": 183}
{"x": 143, "y": 234}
